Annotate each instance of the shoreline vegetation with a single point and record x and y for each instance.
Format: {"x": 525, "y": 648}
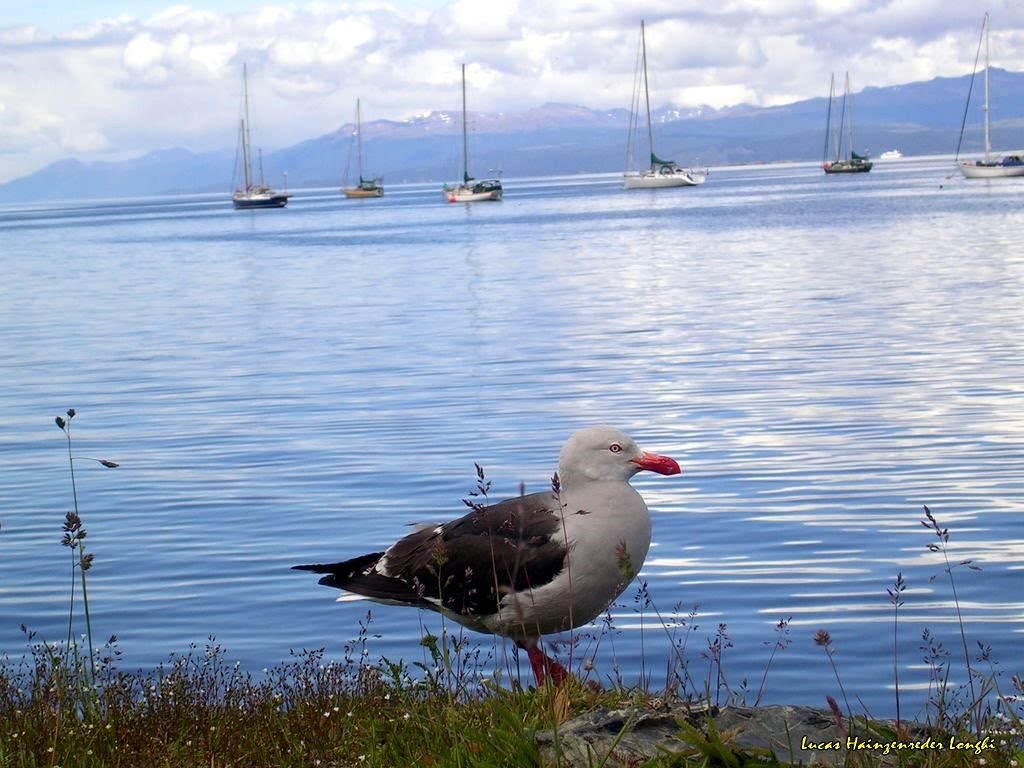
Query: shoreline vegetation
{"x": 67, "y": 703}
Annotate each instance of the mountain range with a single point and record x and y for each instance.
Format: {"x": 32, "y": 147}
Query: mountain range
{"x": 916, "y": 118}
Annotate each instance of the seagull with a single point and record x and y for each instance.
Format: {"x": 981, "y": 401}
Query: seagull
{"x": 527, "y": 566}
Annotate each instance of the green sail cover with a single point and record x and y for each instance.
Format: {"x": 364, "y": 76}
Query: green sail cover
{"x": 855, "y": 156}
{"x": 655, "y": 160}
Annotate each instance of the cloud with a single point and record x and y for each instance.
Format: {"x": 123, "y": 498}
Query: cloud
{"x": 173, "y": 78}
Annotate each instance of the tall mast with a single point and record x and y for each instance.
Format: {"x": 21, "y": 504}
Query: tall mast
{"x": 849, "y": 117}
{"x": 828, "y": 118}
{"x": 842, "y": 123}
{"x": 246, "y": 158}
{"x": 465, "y": 152}
{"x": 988, "y": 143}
{"x": 647, "y": 94}
{"x": 359, "y": 142}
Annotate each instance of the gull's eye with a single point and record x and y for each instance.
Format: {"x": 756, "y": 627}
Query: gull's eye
{"x": 615, "y": 448}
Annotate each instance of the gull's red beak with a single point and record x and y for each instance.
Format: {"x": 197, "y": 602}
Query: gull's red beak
{"x": 663, "y": 465}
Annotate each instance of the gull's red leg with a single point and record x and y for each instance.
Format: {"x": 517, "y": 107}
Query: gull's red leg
{"x": 544, "y": 668}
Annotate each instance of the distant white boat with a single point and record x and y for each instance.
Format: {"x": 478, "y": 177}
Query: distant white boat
{"x": 892, "y": 154}
{"x": 660, "y": 173}
{"x": 470, "y": 190}
{"x": 993, "y": 165}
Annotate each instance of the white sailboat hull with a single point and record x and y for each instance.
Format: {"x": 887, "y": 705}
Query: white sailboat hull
{"x": 467, "y": 195}
{"x": 470, "y": 190}
{"x": 651, "y": 180}
{"x": 661, "y": 174}
{"x": 972, "y": 170}
{"x": 994, "y": 166}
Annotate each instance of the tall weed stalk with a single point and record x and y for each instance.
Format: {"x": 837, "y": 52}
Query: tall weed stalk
{"x": 942, "y": 547}
{"x": 81, "y": 561}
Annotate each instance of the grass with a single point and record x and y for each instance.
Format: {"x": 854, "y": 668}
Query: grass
{"x": 68, "y": 703}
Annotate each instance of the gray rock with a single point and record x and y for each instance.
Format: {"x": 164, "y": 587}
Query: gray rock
{"x": 800, "y": 736}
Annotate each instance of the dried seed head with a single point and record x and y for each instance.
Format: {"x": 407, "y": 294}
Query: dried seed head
{"x": 822, "y": 637}
{"x": 72, "y": 522}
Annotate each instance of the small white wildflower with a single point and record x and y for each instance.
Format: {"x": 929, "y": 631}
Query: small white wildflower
{"x": 337, "y": 710}
{"x": 213, "y": 727}
{"x": 406, "y": 716}
{"x": 348, "y": 714}
{"x": 327, "y": 714}
{"x": 387, "y": 697}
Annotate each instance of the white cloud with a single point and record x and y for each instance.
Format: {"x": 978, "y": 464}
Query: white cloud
{"x": 172, "y": 78}
{"x": 142, "y": 53}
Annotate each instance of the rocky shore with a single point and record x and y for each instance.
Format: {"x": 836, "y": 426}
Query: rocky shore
{"x": 800, "y": 736}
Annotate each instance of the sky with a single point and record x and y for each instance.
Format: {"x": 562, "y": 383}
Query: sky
{"x": 112, "y": 79}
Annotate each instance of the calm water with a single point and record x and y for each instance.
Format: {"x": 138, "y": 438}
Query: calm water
{"x": 822, "y": 355}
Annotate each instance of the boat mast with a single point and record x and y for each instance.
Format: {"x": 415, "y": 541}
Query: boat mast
{"x": 842, "y": 125}
{"x": 828, "y": 118}
{"x": 359, "y": 142}
{"x": 465, "y": 152}
{"x": 246, "y": 158}
{"x": 849, "y": 117}
{"x": 647, "y": 94}
{"x": 988, "y": 143}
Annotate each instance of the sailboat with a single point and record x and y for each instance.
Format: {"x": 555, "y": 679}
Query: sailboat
{"x": 855, "y": 163}
{"x": 250, "y": 194}
{"x": 365, "y": 187}
{"x": 470, "y": 190}
{"x": 660, "y": 173}
{"x": 993, "y": 165}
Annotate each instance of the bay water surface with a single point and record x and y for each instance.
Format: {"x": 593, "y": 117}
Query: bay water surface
{"x": 823, "y": 356}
